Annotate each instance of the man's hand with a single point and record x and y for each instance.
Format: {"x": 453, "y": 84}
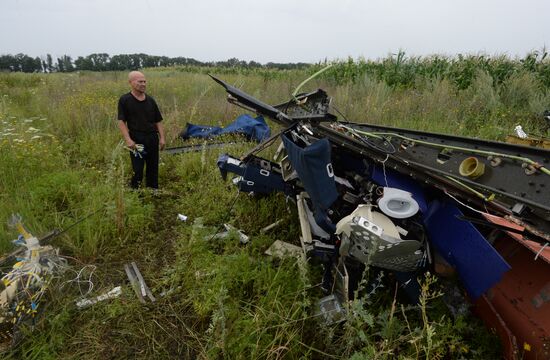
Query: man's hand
{"x": 160, "y": 129}
{"x": 126, "y": 135}
{"x": 130, "y": 143}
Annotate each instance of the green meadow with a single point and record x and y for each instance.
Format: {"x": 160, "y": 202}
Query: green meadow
{"x": 61, "y": 159}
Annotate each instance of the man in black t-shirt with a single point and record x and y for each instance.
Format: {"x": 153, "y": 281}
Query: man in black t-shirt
{"x": 139, "y": 121}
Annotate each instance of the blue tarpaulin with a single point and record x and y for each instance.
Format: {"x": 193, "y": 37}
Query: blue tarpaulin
{"x": 253, "y": 128}
{"x": 478, "y": 264}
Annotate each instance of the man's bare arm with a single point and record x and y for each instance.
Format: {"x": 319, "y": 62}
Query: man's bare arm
{"x": 126, "y": 134}
{"x": 162, "y": 141}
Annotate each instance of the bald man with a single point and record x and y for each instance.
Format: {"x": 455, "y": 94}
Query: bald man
{"x": 139, "y": 121}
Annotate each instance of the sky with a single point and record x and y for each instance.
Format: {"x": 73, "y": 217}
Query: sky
{"x": 276, "y": 31}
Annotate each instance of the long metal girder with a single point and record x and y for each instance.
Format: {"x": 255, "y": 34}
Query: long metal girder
{"x": 243, "y": 99}
{"x": 299, "y": 111}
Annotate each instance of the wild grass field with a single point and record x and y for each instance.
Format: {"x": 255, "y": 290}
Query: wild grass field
{"x": 61, "y": 159}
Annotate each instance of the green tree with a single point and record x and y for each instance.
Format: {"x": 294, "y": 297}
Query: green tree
{"x": 49, "y": 63}
{"x": 7, "y": 63}
{"x": 68, "y": 63}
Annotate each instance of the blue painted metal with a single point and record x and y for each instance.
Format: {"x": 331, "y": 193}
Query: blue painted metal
{"x": 477, "y": 263}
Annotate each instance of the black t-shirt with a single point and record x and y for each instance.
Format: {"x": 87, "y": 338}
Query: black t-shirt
{"x": 139, "y": 115}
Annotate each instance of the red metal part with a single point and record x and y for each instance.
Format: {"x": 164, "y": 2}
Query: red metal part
{"x": 540, "y": 250}
{"x": 519, "y": 305}
{"x": 485, "y": 310}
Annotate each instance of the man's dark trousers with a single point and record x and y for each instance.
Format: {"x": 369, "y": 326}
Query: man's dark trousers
{"x": 150, "y": 141}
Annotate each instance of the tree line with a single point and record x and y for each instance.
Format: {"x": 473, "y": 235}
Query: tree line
{"x": 105, "y": 62}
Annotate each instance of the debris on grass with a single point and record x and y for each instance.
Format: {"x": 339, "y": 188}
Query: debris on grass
{"x": 243, "y": 238}
{"x": 26, "y": 283}
{"x": 138, "y": 283}
{"x": 182, "y": 217}
{"x": 271, "y": 226}
{"x": 281, "y": 249}
{"x": 330, "y": 310}
{"x": 112, "y": 294}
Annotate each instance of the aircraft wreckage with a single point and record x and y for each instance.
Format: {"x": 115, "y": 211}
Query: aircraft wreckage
{"x": 409, "y": 201}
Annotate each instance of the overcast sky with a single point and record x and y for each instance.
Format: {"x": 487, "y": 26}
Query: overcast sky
{"x": 278, "y": 31}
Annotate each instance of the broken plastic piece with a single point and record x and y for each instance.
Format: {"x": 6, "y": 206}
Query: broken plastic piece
{"x": 182, "y": 217}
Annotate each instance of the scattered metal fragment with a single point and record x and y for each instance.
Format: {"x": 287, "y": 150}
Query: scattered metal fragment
{"x": 341, "y": 282}
{"x": 112, "y": 294}
{"x": 306, "y": 239}
{"x": 194, "y": 148}
{"x": 330, "y": 310}
{"x": 170, "y": 291}
{"x": 134, "y": 282}
{"x": 281, "y": 249}
{"x": 271, "y": 226}
{"x": 529, "y": 141}
{"x": 243, "y": 238}
{"x": 138, "y": 284}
